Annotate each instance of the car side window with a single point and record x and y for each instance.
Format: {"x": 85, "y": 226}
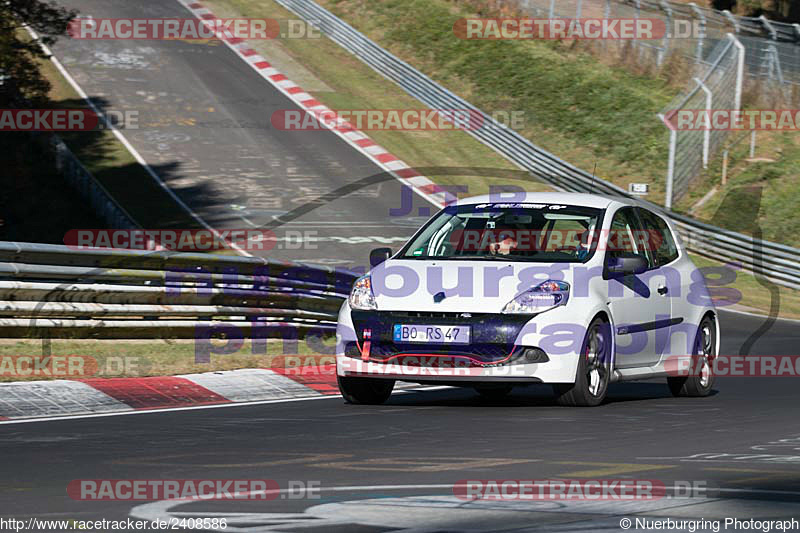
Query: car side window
{"x": 659, "y": 238}
{"x": 624, "y": 229}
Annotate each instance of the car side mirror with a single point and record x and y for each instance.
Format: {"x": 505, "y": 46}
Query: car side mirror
{"x": 627, "y": 263}
{"x": 379, "y": 255}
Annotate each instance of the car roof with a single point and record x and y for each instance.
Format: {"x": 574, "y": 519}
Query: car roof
{"x": 570, "y": 198}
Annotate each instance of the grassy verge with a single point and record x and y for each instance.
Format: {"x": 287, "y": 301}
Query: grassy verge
{"x": 575, "y": 104}
{"x": 760, "y": 193}
{"x": 121, "y": 358}
{"x": 753, "y": 296}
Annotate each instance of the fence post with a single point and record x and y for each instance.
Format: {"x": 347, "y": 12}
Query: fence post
{"x": 668, "y": 35}
{"x": 775, "y": 69}
{"x": 702, "y": 37}
{"x": 724, "y": 168}
{"x": 752, "y": 144}
{"x": 579, "y": 9}
{"x": 739, "y": 70}
{"x": 552, "y": 9}
{"x": 733, "y": 20}
{"x": 673, "y": 143}
{"x": 769, "y": 27}
{"x": 707, "y": 132}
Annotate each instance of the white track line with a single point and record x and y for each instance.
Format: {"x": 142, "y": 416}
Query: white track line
{"x": 201, "y": 407}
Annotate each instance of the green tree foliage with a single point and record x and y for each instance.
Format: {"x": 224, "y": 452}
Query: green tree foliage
{"x": 20, "y": 78}
{"x": 782, "y": 10}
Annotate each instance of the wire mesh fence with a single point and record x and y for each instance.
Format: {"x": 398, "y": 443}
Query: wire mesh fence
{"x": 719, "y": 88}
{"x": 772, "y": 48}
{"x": 725, "y": 50}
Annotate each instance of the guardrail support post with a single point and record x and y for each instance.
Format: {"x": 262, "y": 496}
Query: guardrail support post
{"x": 797, "y": 30}
{"x": 707, "y": 132}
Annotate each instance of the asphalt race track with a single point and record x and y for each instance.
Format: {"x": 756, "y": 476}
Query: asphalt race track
{"x": 204, "y": 126}
{"x": 392, "y": 467}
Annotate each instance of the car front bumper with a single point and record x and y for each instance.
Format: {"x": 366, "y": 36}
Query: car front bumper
{"x": 501, "y": 349}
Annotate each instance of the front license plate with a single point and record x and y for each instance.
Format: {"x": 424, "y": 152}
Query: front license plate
{"x": 405, "y": 333}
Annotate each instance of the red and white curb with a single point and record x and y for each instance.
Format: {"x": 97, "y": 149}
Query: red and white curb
{"x": 23, "y": 400}
{"x": 37, "y": 399}
{"x": 354, "y": 137}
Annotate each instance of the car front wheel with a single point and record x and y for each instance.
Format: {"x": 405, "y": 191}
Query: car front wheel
{"x": 369, "y": 391}
{"x": 594, "y": 369}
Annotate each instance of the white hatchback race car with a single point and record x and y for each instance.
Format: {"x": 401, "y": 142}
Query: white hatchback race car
{"x": 574, "y": 290}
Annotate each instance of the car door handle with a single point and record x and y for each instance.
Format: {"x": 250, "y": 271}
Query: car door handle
{"x": 662, "y": 290}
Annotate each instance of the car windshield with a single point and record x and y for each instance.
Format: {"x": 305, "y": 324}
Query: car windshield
{"x": 545, "y": 233}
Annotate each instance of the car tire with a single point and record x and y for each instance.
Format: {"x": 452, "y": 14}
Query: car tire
{"x": 367, "y": 391}
{"x": 493, "y": 393}
{"x": 705, "y": 349}
{"x": 594, "y": 369}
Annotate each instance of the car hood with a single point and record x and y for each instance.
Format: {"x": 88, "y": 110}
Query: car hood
{"x": 468, "y": 286}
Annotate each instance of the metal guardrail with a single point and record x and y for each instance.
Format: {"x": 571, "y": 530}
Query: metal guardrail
{"x": 56, "y": 291}
{"x": 775, "y": 261}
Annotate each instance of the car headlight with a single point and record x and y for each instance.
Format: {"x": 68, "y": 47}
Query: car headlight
{"x": 361, "y": 297}
{"x": 543, "y": 297}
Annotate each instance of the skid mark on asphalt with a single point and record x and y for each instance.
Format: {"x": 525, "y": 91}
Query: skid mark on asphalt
{"x": 608, "y": 469}
{"x": 432, "y": 464}
{"x": 206, "y": 460}
{"x": 765, "y": 475}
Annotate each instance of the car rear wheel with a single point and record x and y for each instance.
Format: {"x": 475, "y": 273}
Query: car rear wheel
{"x": 594, "y": 369}
{"x": 705, "y": 349}
{"x": 368, "y": 391}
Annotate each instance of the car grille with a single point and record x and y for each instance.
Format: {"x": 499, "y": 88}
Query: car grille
{"x": 473, "y": 354}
